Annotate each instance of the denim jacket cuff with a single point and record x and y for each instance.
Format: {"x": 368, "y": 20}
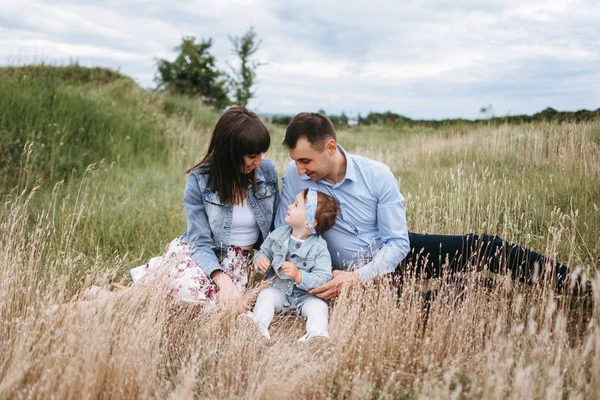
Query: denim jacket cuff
{"x": 302, "y": 284}
{"x": 209, "y": 269}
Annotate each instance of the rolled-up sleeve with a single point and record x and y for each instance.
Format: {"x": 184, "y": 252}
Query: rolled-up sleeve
{"x": 391, "y": 220}
{"x": 198, "y": 229}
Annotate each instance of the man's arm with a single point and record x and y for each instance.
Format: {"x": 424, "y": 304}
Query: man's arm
{"x": 391, "y": 221}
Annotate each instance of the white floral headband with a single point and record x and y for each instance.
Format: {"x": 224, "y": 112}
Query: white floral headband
{"x": 311, "y": 209}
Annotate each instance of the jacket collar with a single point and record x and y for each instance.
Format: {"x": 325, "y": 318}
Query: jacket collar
{"x": 258, "y": 174}
{"x": 303, "y": 250}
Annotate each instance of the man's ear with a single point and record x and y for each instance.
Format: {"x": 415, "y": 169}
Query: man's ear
{"x": 331, "y": 146}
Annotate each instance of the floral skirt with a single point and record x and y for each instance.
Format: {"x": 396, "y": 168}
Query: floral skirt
{"x": 184, "y": 276}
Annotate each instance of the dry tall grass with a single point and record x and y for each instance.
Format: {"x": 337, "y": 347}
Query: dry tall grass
{"x": 507, "y": 341}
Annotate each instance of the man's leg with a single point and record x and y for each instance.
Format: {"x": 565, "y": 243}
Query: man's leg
{"x": 430, "y": 254}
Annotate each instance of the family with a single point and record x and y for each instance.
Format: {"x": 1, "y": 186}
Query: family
{"x": 337, "y": 221}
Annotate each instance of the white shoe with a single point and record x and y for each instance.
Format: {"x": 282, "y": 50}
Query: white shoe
{"x": 312, "y": 335}
{"x": 261, "y": 328}
{"x": 95, "y": 293}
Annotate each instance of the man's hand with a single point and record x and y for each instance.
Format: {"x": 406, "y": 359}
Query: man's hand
{"x": 290, "y": 270}
{"x": 262, "y": 264}
{"x": 333, "y": 288}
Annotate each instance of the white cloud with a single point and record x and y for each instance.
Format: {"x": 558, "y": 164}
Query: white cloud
{"x": 435, "y": 58}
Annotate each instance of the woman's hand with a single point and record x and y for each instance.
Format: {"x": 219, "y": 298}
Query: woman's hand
{"x": 229, "y": 295}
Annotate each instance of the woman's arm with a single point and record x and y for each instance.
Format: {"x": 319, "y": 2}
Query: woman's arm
{"x": 198, "y": 228}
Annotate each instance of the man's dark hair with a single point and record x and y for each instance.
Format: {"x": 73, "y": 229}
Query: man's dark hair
{"x": 316, "y": 128}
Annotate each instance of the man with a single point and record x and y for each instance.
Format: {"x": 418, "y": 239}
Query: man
{"x": 370, "y": 237}
{"x": 371, "y": 227}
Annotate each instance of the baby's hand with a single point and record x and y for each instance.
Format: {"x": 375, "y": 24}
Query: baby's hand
{"x": 262, "y": 264}
{"x": 290, "y": 270}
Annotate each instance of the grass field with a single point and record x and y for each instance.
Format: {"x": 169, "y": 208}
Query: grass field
{"x": 93, "y": 171}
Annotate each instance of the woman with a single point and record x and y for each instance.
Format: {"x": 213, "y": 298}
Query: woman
{"x": 230, "y": 201}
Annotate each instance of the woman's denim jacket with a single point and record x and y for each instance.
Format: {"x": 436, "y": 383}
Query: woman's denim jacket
{"x": 312, "y": 259}
{"x": 209, "y": 220}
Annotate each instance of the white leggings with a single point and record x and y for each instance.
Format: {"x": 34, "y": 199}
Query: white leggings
{"x": 270, "y": 301}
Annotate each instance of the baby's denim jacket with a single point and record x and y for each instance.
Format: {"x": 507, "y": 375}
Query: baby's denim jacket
{"x": 312, "y": 259}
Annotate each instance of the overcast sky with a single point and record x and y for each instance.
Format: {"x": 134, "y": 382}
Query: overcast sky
{"x": 423, "y": 59}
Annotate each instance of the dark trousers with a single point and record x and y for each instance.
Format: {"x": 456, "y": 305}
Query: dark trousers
{"x": 436, "y": 255}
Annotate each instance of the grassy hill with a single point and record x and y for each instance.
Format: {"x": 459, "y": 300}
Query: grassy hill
{"x": 99, "y": 190}
{"x": 75, "y": 116}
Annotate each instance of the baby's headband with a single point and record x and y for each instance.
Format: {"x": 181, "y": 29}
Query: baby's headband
{"x": 311, "y": 209}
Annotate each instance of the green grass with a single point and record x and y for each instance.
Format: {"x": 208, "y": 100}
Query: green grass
{"x": 71, "y": 126}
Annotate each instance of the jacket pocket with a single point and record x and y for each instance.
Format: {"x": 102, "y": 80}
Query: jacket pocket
{"x": 265, "y": 189}
{"x": 213, "y": 198}
{"x": 215, "y": 212}
{"x": 305, "y": 264}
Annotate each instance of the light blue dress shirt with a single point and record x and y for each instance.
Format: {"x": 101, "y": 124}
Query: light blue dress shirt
{"x": 370, "y": 231}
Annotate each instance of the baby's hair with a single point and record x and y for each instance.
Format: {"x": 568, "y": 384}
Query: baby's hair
{"x": 326, "y": 211}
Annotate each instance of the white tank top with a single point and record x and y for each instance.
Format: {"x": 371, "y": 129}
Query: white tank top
{"x": 244, "y": 228}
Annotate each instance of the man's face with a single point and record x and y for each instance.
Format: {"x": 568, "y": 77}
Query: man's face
{"x": 314, "y": 163}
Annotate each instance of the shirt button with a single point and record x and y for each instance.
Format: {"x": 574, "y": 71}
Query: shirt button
{"x": 304, "y": 263}
{"x": 298, "y": 245}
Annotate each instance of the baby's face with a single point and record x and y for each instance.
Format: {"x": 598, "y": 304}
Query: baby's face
{"x": 296, "y": 212}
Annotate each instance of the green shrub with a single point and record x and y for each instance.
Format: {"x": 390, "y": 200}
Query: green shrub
{"x": 71, "y": 127}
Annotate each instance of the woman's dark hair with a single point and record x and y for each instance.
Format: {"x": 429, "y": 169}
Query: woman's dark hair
{"x": 238, "y": 132}
{"x": 326, "y": 211}
{"x": 315, "y": 127}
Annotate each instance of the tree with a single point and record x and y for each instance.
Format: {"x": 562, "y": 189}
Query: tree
{"x": 487, "y": 111}
{"x": 194, "y": 74}
{"x": 245, "y": 76}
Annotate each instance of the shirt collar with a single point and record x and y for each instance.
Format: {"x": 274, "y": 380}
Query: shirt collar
{"x": 305, "y": 247}
{"x": 350, "y": 169}
{"x": 303, "y": 250}
{"x": 258, "y": 174}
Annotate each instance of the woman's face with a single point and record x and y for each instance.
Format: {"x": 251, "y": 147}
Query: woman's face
{"x": 250, "y": 162}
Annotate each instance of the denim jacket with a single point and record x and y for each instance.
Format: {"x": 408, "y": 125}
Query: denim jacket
{"x": 312, "y": 259}
{"x": 209, "y": 220}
